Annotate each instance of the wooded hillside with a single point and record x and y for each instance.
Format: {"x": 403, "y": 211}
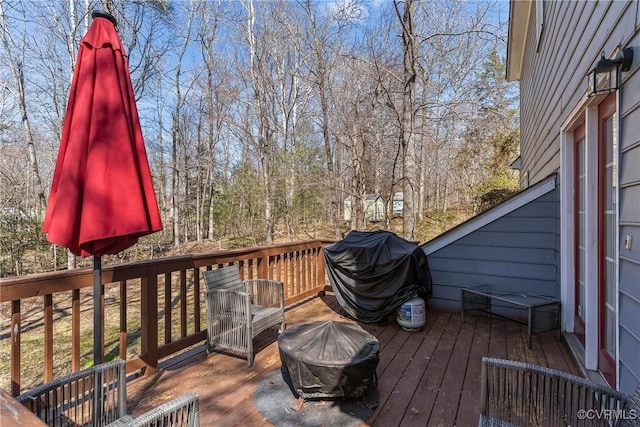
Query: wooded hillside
{"x": 261, "y": 118}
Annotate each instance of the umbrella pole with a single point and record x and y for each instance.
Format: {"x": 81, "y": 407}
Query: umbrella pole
{"x": 97, "y": 310}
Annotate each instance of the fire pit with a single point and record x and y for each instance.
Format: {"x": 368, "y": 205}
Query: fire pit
{"x": 330, "y": 359}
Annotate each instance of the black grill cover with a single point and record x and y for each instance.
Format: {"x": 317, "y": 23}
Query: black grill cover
{"x": 329, "y": 359}
{"x": 373, "y": 273}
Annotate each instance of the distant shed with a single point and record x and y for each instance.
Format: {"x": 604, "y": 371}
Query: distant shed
{"x": 398, "y": 204}
{"x": 373, "y": 208}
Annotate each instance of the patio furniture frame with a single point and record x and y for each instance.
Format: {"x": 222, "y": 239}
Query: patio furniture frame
{"x": 92, "y": 396}
{"x": 543, "y": 312}
{"x": 183, "y": 411}
{"x": 96, "y": 396}
{"x": 515, "y": 393}
{"x": 237, "y": 310}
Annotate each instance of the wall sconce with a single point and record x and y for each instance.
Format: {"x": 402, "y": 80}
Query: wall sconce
{"x": 605, "y": 77}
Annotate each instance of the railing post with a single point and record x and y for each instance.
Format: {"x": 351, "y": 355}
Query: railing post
{"x": 149, "y": 321}
{"x": 15, "y": 347}
{"x": 263, "y": 265}
{"x": 321, "y": 268}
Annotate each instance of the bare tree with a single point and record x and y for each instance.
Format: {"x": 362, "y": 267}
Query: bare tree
{"x": 319, "y": 38}
{"x": 356, "y": 126}
{"x": 14, "y": 52}
{"x": 408, "y": 141}
{"x": 266, "y": 131}
{"x": 262, "y": 118}
{"x": 177, "y": 136}
{"x": 207, "y": 136}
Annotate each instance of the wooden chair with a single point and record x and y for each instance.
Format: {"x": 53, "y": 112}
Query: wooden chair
{"x": 520, "y": 394}
{"x": 237, "y": 311}
{"x": 96, "y": 396}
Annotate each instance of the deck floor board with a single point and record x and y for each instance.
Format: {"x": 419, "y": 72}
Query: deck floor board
{"x": 399, "y": 398}
{"x": 469, "y": 403}
{"x": 428, "y": 377}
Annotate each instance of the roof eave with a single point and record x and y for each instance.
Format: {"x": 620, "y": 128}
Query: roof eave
{"x": 519, "y": 11}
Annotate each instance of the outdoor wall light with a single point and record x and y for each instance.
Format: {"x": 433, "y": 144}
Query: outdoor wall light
{"x": 605, "y": 77}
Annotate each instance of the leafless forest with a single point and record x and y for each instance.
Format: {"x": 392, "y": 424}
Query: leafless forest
{"x": 261, "y": 118}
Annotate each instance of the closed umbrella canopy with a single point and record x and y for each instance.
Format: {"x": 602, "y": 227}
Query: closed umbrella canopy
{"x": 102, "y": 198}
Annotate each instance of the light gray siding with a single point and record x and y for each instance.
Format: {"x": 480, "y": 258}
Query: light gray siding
{"x": 629, "y": 307}
{"x": 518, "y": 250}
{"x": 554, "y": 75}
{"x": 629, "y": 220}
{"x": 553, "y": 82}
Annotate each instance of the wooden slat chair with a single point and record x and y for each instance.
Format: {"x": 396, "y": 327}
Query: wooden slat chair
{"x": 96, "y": 397}
{"x": 237, "y": 311}
{"x": 519, "y": 394}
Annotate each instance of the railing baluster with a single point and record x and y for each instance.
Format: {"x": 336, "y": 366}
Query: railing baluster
{"x": 183, "y": 303}
{"x": 288, "y": 276}
{"x": 75, "y": 330}
{"x": 196, "y": 299}
{"x": 122, "y": 341}
{"x": 299, "y": 272}
{"x": 305, "y": 270}
{"x": 15, "y": 347}
{"x": 167, "y": 308}
{"x": 48, "y": 337}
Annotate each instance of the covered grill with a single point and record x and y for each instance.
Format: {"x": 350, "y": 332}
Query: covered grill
{"x": 374, "y": 273}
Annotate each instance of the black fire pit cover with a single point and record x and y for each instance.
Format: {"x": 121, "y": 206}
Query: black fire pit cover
{"x": 329, "y": 359}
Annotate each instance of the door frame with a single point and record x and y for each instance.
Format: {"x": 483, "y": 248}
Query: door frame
{"x": 578, "y": 136}
{"x": 606, "y": 363}
{"x": 585, "y": 111}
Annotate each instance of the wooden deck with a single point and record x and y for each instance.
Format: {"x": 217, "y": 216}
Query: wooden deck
{"x": 430, "y": 377}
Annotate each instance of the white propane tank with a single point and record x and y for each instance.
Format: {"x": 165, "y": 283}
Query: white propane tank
{"x": 411, "y": 314}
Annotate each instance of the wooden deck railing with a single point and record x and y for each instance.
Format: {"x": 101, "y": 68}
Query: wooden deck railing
{"x": 167, "y": 294}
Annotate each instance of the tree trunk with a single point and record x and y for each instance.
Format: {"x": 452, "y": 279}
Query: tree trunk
{"x": 176, "y": 142}
{"x": 358, "y": 190}
{"x": 175, "y": 179}
{"x": 16, "y": 66}
{"x": 409, "y": 169}
{"x": 265, "y": 135}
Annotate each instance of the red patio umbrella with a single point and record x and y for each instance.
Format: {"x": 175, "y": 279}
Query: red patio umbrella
{"x": 102, "y": 198}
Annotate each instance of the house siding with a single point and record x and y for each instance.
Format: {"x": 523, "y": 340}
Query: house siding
{"x": 553, "y": 82}
{"x": 518, "y": 250}
{"x": 555, "y": 74}
{"x": 629, "y": 221}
